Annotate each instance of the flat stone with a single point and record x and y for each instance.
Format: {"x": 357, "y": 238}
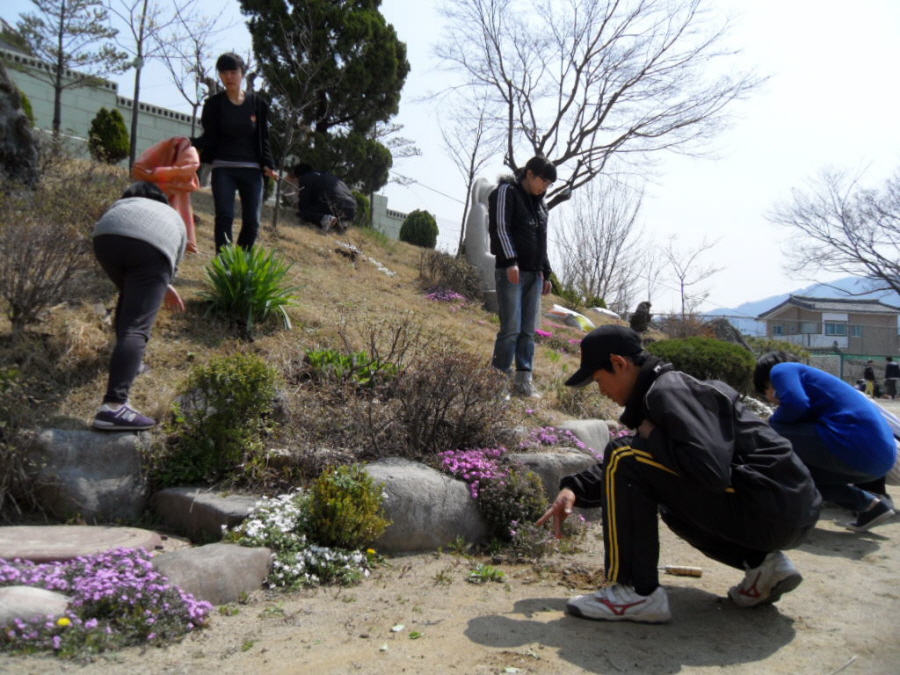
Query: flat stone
{"x": 201, "y": 514}
{"x": 49, "y": 543}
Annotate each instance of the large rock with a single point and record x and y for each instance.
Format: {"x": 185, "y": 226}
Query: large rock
{"x": 550, "y": 467}
{"x": 217, "y": 573}
{"x": 26, "y": 602}
{"x": 200, "y": 514}
{"x": 427, "y": 508}
{"x": 18, "y": 145}
{"x": 593, "y": 433}
{"x": 93, "y": 475}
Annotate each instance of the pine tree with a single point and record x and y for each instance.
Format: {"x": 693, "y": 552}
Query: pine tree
{"x": 420, "y": 229}
{"x": 71, "y": 34}
{"x": 108, "y": 137}
{"x": 334, "y": 69}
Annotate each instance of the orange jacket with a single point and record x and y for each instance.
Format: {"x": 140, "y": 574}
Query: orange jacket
{"x": 172, "y": 164}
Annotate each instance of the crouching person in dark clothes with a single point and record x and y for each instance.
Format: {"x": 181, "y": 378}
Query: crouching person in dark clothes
{"x": 139, "y": 243}
{"x": 324, "y": 199}
{"x": 720, "y": 477}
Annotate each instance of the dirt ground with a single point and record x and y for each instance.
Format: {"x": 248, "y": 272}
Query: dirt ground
{"x": 418, "y": 614}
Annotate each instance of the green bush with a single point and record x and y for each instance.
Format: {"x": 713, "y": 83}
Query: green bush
{"x": 108, "y": 140}
{"x": 219, "y": 421}
{"x": 709, "y": 359}
{"x": 506, "y": 502}
{"x": 419, "y": 229}
{"x": 345, "y": 508}
{"x": 363, "y": 215}
{"x": 762, "y": 346}
{"x": 248, "y": 287}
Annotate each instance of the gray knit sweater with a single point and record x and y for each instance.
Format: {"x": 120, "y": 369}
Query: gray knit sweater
{"x": 145, "y": 219}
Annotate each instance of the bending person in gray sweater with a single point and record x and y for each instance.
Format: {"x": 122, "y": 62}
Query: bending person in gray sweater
{"x": 139, "y": 243}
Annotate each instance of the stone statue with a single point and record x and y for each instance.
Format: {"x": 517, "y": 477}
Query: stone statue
{"x": 640, "y": 320}
{"x": 478, "y": 243}
{"x": 18, "y": 145}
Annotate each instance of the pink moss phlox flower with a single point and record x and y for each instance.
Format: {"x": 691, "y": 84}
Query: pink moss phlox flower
{"x": 474, "y": 465}
{"x": 551, "y": 436}
{"x": 543, "y": 333}
{"x": 115, "y": 596}
{"x": 445, "y": 295}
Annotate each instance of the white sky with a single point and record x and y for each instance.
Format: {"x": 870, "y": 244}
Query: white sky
{"x": 832, "y": 101}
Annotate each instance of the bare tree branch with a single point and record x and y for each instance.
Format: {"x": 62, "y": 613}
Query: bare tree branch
{"x": 582, "y": 81}
{"x": 599, "y": 244}
{"x": 687, "y": 271}
{"x": 845, "y": 228}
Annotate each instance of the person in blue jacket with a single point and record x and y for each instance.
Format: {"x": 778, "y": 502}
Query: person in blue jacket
{"x": 841, "y": 435}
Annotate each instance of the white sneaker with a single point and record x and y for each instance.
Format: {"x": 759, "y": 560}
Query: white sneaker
{"x": 766, "y": 584}
{"x": 621, "y": 603}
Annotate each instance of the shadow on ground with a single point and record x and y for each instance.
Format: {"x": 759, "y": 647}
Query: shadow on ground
{"x": 692, "y": 638}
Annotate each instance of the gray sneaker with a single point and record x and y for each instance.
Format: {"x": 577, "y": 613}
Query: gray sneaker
{"x": 125, "y": 418}
{"x": 621, "y": 603}
{"x": 523, "y": 385}
{"x": 766, "y": 584}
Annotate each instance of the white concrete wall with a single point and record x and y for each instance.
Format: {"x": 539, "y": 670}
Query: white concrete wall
{"x": 80, "y": 104}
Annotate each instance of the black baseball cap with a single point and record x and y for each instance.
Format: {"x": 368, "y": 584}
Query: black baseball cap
{"x": 598, "y": 345}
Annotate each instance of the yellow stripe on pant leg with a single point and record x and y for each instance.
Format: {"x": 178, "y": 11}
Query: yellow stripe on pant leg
{"x": 641, "y": 456}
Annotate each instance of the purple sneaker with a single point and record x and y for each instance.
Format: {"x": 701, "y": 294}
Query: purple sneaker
{"x": 125, "y": 418}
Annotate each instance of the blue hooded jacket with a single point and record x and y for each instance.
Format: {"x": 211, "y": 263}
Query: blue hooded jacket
{"x": 851, "y": 425}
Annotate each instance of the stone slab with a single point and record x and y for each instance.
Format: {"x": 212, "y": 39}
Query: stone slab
{"x": 49, "y": 543}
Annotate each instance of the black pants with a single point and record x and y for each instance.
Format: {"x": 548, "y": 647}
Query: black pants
{"x": 142, "y": 274}
{"x": 636, "y": 487}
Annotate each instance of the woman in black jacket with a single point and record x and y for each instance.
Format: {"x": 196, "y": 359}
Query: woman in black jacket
{"x": 235, "y": 141}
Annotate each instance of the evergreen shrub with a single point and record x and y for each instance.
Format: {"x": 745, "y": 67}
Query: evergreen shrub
{"x": 345, "y": 508}
{"x": 709, "y": 359}
{"x": 108, "y": 139}
{"x": 419, "y": 229}
{"x": 219, "y": 421}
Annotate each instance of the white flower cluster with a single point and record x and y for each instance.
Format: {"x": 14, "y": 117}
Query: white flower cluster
{"x": 318, "y": 565}
{"x": 280, "y": 523}
{"x": 276, "y": 522}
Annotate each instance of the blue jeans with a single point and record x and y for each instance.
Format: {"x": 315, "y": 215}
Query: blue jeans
{"x": 519, "y": 306}
{"x": 248, "y": 183}
{"x": 832, "y": 477}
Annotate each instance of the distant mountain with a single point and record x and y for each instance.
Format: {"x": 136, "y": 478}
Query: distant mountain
{"x": 743, "y": 316}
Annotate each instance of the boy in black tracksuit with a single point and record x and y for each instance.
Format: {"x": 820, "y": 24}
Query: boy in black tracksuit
{"x": 719, "y": 477}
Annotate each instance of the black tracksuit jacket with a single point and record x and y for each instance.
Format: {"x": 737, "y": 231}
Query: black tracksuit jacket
{"x": 713, "y": 444}
{"x": 517, "y": 224}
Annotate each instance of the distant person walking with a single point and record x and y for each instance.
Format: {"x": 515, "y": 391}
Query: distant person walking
{"x": 139, "y": 243}
{"x": 324, "y": 199}
{"x": 517, "y": 223}
{"x": 235, "y": 141}
{"x": 891, "y": 375}
{"x": 869, "y": 377}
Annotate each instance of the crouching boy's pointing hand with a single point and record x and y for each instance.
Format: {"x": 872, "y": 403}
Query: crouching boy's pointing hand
{"x": 559, "y": 510}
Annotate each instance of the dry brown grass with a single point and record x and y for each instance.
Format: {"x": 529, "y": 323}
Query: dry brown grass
{"x": 65, "y": 356}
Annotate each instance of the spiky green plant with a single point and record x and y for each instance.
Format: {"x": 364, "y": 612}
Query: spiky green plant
{"x": 249, "y": 286}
